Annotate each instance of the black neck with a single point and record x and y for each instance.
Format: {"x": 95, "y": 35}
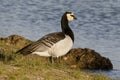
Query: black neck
{"x": 65, "y": 27}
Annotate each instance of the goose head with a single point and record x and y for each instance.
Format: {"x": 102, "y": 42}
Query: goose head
{"x": 70, "y": 16}
{"x": 67, "y": 16}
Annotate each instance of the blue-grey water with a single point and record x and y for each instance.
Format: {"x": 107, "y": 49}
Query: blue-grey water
{"x": 97, "y": 25}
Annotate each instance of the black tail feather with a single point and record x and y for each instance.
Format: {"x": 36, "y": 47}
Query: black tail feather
{"x": 24, "y": 50}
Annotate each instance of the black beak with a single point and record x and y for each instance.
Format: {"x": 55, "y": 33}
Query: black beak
{"x": 74, "y": 17}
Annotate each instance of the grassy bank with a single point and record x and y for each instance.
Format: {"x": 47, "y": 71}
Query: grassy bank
{"x": 32, "y": 67}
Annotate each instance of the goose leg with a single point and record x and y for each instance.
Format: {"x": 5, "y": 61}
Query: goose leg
{"x": 51, "y": 59}
{"x": 57, "y": 59}
{"x": 54, "y": 59}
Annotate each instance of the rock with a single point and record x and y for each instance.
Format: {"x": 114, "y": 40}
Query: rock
{"x": 14, "y": 40}
{"x": 13, "y": 43}
{"x": 86, "y": 59}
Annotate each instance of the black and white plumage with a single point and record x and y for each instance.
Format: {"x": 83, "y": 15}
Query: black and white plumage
{"x": 54, "y": 44}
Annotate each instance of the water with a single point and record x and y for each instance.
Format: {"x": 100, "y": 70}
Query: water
{"x": 97, "y": 27}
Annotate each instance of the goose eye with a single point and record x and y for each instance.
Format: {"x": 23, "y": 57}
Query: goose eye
{"x": 72, "y": 15}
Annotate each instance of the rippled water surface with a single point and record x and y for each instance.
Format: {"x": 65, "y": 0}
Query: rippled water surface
{"x": 97, "y": 27}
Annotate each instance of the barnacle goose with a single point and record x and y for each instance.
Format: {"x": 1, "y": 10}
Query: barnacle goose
{"x": 54, "y": 44}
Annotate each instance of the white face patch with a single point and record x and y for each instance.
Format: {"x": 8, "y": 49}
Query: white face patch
{"x": 70, "y": 17}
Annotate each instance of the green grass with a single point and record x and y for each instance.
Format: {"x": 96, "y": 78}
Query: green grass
{"x": 37, "y": 68}
{"x": 32, "y": 67}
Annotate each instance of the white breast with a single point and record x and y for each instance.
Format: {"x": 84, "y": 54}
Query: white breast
{"x": 61, "y": 47}
{"x": 58, "y": 49}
